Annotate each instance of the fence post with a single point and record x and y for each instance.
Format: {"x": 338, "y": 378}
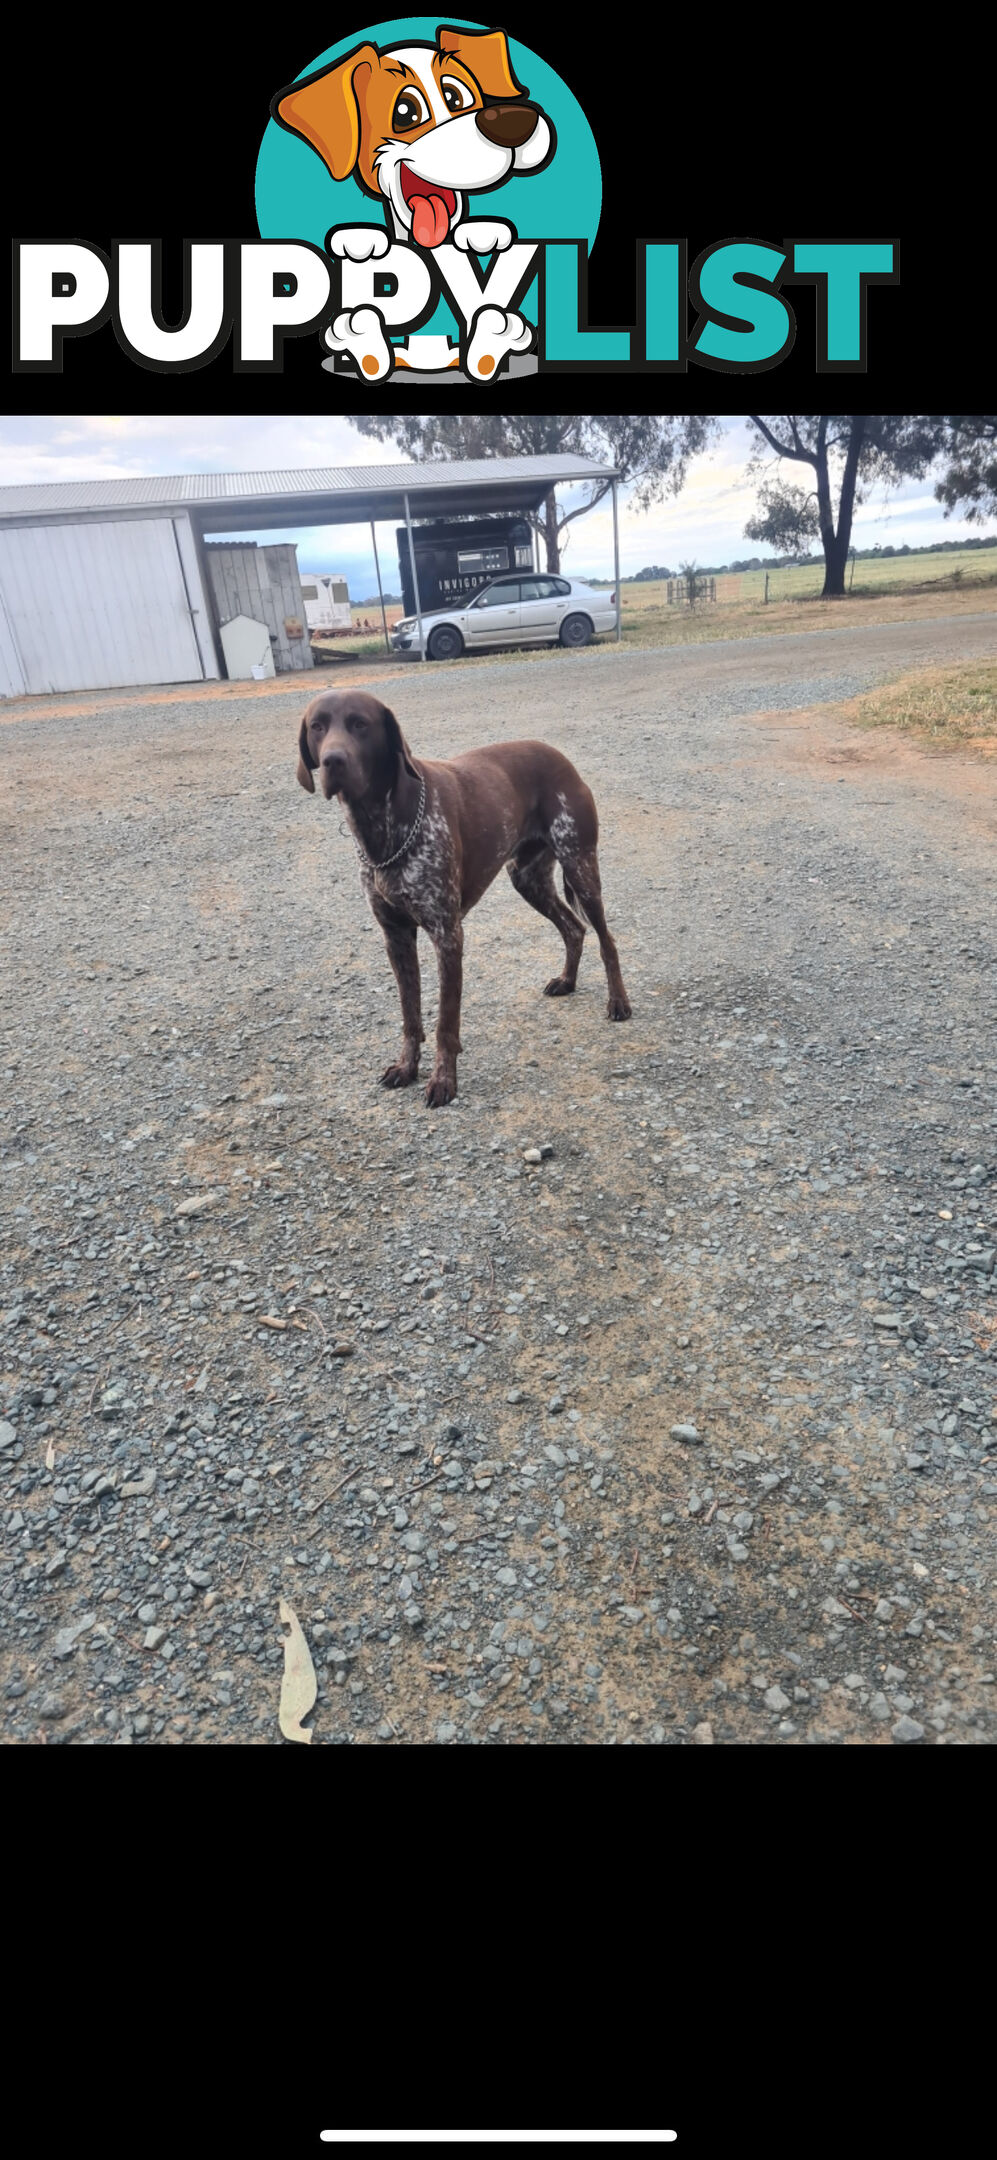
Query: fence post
{"x": 766, "y": 588}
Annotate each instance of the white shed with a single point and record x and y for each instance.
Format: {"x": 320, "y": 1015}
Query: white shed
{"x": 89, "y": 606}
{"x": 247, "y": 648}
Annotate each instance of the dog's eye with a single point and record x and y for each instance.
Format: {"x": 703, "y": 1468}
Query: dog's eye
{"x": 457, "y": 96}
{"x": 410, "y": 111}
{"x": 355, "y": 724}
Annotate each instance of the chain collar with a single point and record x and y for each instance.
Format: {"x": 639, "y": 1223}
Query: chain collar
{"x": 365, "y": 861}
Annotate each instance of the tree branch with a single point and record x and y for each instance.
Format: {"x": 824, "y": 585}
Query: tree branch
{"x": 582, "y": 507}
{"x": 801, "y": 457}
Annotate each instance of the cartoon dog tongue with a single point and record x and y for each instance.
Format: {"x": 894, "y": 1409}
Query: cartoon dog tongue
{"x": 430, "y": 220}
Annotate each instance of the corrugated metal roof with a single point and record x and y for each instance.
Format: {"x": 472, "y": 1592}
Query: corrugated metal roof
{"x": 185, "y": 490}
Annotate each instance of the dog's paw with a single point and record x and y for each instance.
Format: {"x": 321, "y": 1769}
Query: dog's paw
{"x": 618, "y": 1009}
{"x": 360, "y": 332}
{"x": 358, "y": 242}
{"x": 558, "y": 988}
{"x": 482, "y": 236}
{"x": 399, "y": 1076}
{"x": 442, "y": 1089}
{"x": 494, "y": 334}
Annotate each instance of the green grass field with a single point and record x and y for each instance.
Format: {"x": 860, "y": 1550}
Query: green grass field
{"x": 894, "y": 573}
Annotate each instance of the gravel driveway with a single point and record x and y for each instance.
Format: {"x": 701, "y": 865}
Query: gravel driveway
{"x": 688, "y": 1433}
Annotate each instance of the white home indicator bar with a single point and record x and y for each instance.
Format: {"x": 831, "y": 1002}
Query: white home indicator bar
{"x": 499, "y": 2137}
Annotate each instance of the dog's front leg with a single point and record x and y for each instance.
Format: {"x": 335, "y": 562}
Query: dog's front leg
{"x": 449, "y": 949}
{"x": 483, "y": 236}
{"x": 361, "y": 333}
{"x": 400, "y": 941}
{"x": 495, "y": 333}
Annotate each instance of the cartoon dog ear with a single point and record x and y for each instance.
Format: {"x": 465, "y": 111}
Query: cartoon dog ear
{"x": 325, "y": 109}
{"x": 486, "y": 55}
{"x": 306, "y": 762}
{"x": 394, "y": 736}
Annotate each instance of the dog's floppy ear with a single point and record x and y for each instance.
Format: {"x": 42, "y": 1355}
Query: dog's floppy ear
{"x": 325, "y": 109}
{"x": 393, "y": 735}
{"x": 306, "y": 762}
{"x": 486, "y": 55}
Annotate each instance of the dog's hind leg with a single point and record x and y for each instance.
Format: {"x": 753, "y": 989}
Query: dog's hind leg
{"x": 580, "y": 868}
{"x": 532, "y": 873}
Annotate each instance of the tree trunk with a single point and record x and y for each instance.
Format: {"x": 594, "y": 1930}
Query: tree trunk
{"x": 549, "y": 526}
{"x": 846, "y": 506}
{"x": 835, "y": 565}
{"x": 836, "y": 544}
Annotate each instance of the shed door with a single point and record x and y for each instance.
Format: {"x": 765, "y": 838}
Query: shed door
{"x": 94, "y": 604}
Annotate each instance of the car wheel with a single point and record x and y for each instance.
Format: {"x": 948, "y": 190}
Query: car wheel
{"x": 576, "y": 630}
{"x": 445, "y": 643}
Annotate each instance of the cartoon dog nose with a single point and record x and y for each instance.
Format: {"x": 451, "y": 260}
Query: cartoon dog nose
{"x": 507, "y": 125}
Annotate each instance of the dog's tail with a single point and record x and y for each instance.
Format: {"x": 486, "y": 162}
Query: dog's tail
{"x": 573, "y": 900}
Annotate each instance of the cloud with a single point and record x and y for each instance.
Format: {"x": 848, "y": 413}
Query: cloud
{"x": 705, "y": 521}
{"x": 107, "y": 446}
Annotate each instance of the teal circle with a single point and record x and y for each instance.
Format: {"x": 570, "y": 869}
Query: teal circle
{"x": 298, "y": 199}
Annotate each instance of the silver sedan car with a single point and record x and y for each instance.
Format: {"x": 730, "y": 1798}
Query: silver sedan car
{"x": 534, "y": 609}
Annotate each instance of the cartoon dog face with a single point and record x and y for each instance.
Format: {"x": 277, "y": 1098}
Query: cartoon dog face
{"x": 420, "y": 125}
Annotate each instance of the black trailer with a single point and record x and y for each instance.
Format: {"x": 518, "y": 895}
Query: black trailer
{"x": 453, "y": 560}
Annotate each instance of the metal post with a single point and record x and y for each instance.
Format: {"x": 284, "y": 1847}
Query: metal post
{"x": 616, "y": 562}
{"x": 415, "y": 578}
{"x": 380, "y": 588}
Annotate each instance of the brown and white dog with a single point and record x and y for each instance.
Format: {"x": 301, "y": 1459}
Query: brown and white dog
{"x": 432, "y": 834}
{"x": 422, "y": 127}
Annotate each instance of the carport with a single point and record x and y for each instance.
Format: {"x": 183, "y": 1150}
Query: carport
{"x": 105, "y": 582}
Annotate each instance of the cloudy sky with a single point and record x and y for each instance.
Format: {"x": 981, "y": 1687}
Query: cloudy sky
{"x": 704, "y": 523}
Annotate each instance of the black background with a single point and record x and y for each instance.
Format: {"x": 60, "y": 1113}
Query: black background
{"x": 706, "y": 132}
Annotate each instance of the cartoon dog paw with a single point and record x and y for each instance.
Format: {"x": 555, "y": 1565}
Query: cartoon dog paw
{"x": 360, "y": 332}
{"x": 482, "y": 236}
{"x": 494, "y": 333}
{"x": 358, "y": 242}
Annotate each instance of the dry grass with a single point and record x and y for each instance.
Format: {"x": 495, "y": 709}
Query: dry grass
{"x": 648, "y": 619}
{"x": 945, "y": 708}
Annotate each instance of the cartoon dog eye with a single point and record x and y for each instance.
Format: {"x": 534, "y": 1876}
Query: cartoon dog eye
{"x": 410, "y": 111}
{"x": 457, "y": 96}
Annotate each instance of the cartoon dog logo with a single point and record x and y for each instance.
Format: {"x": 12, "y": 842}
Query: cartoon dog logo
{"x": 422, "y": 127}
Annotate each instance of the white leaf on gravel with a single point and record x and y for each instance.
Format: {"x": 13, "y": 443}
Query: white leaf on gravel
{"x": 299, "y": 1686}
{"x": 50, "y": 1456}
{"x": 197, "y": 1203}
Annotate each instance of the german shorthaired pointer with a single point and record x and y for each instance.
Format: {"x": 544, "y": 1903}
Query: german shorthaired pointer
{"x": 431, "y": 837}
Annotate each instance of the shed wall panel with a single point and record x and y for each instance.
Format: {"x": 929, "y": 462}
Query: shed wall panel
{"x": 95, "y": 605}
